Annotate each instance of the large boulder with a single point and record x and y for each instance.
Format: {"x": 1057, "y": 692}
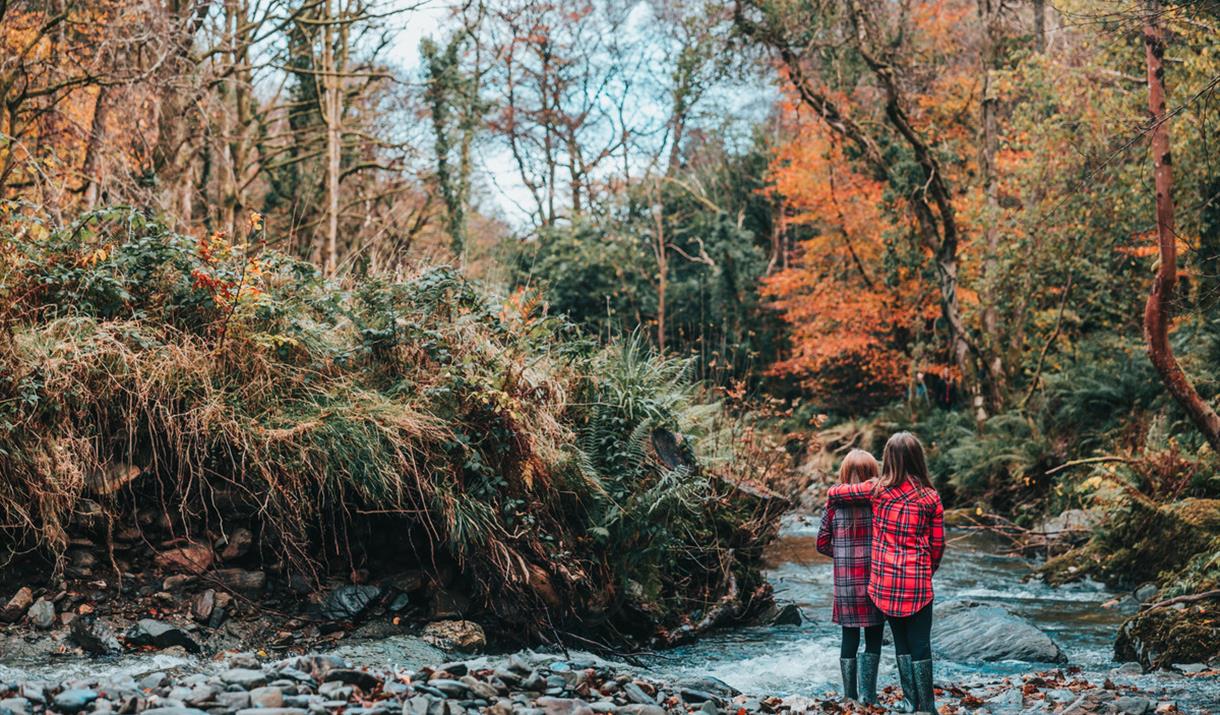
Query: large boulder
{"x": 967, "y": 630}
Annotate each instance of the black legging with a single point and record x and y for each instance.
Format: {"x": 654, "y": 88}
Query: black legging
{"x": 851, "y": 640}
{"x": 913, "y": 633}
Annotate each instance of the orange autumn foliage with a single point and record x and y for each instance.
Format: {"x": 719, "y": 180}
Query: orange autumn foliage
{"x": 851, "y": 317}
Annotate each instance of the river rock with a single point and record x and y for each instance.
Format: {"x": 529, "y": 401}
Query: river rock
{"x": 967, "y": 630}
{"x": 94, "y": 636}
{"x": 246, "y": 678}
{"x": 73, "y": 700}
{"x": 173, "y": 711}
{"x": 564, "y": 706}
{"x": 347, "y": 603}
{"x": 350, "y": 676}
{"x": 789, "y": 615}
{"x": 455, "y": 635}
{"x": 42, "y": 614}
{"x": 266, "y": 697}
{"x": 273, "y": 711}
{"x": 193, "y": 558}
{"x": 17, "y": 605}
{"x": 159, "y": 634}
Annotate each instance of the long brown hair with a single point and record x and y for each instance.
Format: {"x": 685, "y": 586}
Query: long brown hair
{"x": 858, "y": 466}
{"x": 903, "y": 458}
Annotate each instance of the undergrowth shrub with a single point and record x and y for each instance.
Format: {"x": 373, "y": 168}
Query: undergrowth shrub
{"x": 220, "y": 381}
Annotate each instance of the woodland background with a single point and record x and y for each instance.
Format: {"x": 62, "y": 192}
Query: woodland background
{"x": 823, "y": 218}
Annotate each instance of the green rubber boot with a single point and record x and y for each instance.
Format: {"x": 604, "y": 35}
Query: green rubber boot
{"x": 847, "y": 668}
{"x": 868, "y": 678}
{"x": 923, "y": 687}
{"x": 906, "y": 678}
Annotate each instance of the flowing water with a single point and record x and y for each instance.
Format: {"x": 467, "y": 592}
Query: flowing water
{"x": 804, "y": 660}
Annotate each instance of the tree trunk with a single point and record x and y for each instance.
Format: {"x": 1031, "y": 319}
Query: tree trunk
{"x": 663, "y": 274}
{"x": 1040, "y": 25}
{"x": 1157, "y": 311}
{"x": 93, "y": 149}
{"x": 332, "y": 117}
{"x": 989, "y": 16}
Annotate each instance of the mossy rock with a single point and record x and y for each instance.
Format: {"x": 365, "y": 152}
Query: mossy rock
{"x": 1141, "y": 542}
{"x": 1160, "y": 637}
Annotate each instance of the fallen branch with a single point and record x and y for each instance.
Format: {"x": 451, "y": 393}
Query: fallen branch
{"x": 1189, "y": 598}
{"x": 1090, "y": 460}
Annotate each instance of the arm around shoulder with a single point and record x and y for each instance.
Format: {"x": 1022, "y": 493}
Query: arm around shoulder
{"x": 860, "y": 493}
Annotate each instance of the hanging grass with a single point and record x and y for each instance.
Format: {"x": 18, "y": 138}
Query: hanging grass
{"x": 224, "y": 382}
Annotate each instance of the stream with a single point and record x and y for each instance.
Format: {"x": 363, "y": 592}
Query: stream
{"x": 802, "y": 661}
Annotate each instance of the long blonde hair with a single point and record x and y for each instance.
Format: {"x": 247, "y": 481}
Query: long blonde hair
{"x": 858, "y": 466}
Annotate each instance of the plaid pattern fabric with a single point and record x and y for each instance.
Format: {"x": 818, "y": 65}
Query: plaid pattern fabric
{"x": 846, "y": 536}
{"x": 908, "y": 542}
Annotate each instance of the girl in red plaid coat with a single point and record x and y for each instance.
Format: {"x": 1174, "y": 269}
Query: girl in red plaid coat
{"x": 846, "y": 535}
{"x": 908, "y": 543}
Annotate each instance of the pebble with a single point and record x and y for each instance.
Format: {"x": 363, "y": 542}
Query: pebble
{"x": 42, "y": 614}
{"x": 272, "y": 711}
{"x": 1133, "y": 705}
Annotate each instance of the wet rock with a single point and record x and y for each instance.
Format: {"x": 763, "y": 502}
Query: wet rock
{"x": 174, "y": 711}
{"x": 193, "y": 558}
{"x": 273, "y": 711}
{"x": 455, "y": 635}
{"x": 238, "y": 545}
{"x": 42, "y": 614}
{"x": 247, "y": 678}
{"x": 965, "y": 630}
{"x": 18, "y": 706}
{"x": 266, "y": 697}
{"x": 710, "y": 684}
{"x": 417, "y": 705}
{"x": 73, "y": 700}
{"x": 1133, "y": 705}
{"x": 1007, "y": 701}
{"x": 1189, "y": 668}
{"x": 1146, "y": 592}
{"x": 94, "y": 635}
{"x": 789, "y": 615}
{"x": 407, "y": 581}
{"x": 347, "y": 603}
{"x": 17, "y": 605}
{"x": 159, "y": 634}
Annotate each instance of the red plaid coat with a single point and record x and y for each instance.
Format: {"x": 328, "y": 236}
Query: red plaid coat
{"x": 908, "y": 542}
{"x": 846, "y": 536}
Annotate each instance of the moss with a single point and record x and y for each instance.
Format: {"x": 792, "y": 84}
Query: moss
{"x": 1160, "y": 637}
{"x": 1142, "y": 542}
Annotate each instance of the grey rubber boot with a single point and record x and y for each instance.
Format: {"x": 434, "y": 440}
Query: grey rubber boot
{"x": 847, "y": 668}
{"x": 923, "y": 686}
{"x": 868, "y": 677}
{"x": 906, "y": 678}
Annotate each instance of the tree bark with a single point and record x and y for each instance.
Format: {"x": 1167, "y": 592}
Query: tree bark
{"x": 1157, "y": 311}
{"x": 989, "y": 16}
{"x": 93, "y": 148}
{"x": 332, "y": 116}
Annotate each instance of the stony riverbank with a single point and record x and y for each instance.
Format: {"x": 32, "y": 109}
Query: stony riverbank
{"x": 520, "y": 684}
